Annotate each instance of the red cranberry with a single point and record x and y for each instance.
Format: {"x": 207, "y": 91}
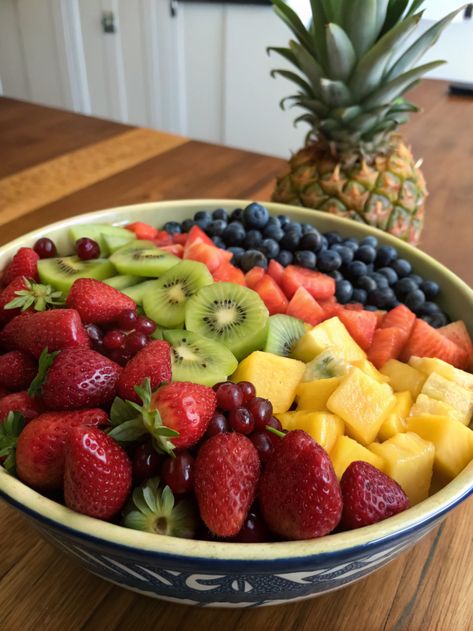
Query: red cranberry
{"x": 146, "y": 462}
{"x": 229, "y": 396}
{"x": 218, "y": 424}
{"x": 263, "y": 443}
{"x": 135, "y": 342}
{"x": 127, "y": 320}
{"x": 45, "y": 248}
{"x": 178, "y": 473}
{"x": 262, "y": 411}
{"x": 216, "y": 386}
{"x": 276, "y": 423}
{"x": 254, "y": 530}
{"x": 87, "y": 249}
{"x": 241, "y": 421}
{"x": 145, "y": 325}
{"x": 248, "y": 391}
{"x": 113, "y": 339}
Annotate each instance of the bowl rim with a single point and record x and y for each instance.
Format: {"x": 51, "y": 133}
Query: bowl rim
{"x": 339, "y": 544}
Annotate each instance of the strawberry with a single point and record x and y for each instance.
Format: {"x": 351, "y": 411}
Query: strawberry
{"x": 142, "y": 230}
{"x": 299, "y": 494}
{"x": 97, "y": 473}
{"x": 33, "y": 331}
{"x": 369, "y": 496}
{"x": 7, "y": 295}
{"x": 17, "y": 370}
{"x": 387, "y": 344}
{"x": 303, "y": 306}
{"x": 275, "y": 270}
{"x": 320, "y": 286}
{"x": 253, "y": 277}
{"x": 23, "y": 294}
{"x": 360, "y": 325}
{"x": 272, "y": 295}
{"x": 79, "y": 378}
{"x": 24, "y": 263}
{"x": 402, "y": 318}
{"x": 153, "y": 361}
{"x": 425, "y": 341}
{"x": 40, "y": 446}
{"x": 97, "y": 302}
{"x": 28, "y": 407}
{"x": 228, "y": 273}
{"x": 226, "y": 474}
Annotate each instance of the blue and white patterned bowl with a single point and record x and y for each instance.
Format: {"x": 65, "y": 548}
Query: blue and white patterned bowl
{"x": 230, "y": 574}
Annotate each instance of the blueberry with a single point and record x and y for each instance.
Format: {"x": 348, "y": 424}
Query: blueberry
{"x": 251, "y": 258}
{"x": 436, "y": 319}
{"x": 273, "y": 232}
{"x": 389, "y": 273}
{"x": 430, "y": 288}
{"x": 216, "y": 228}
{"x": 370, "y": 308}
{"x": 356, "y": 269}
{"x": 307, "y": 228}
{"x": 220, "y": 213}
{"x": 414, "y": 300}
{"x": 311, "y": 241}
{"x": 343, "y": 291}
{"x": 366, "y": 282}
{"x": 172, "y": 227}
{"x": 365, "y": 253}
{"x": 428, "y": 308}
{"x": 234, "y": 233}
{"x": 255, "y": 216}
{"x": 404, "y": 286}
{"x": 285, "y": 258}
{"x": 402, "y": 267}
{"x": 237, "y": 253}
{"x": 290, "y": 241}
{"x": 385, "y": 255}
{"x": 237, "y": 214}
{"x": 333, "y": 237}
{"x": 219, "y": 242}
{"x": 329, "y": 261}
{"x": 293, "y": 226}
{"x": 306, "y": 258}
{"x": 335, "y": 275}
{"x": 269, "y": 248}
{"x": 382, "y": 298}
{"x": 345, "y": 252}
{"x": 203, "y": 219}
{"x": 369, "y": 240}
{"x": 324, "y": 245}
{"x": 380, "y": 280}
{"x": 351, "y": 243}
{"x": 187, "y": 224}
{"x": 416, "y": 279}
{"x": 283, "y": 220}
{"x": 360, "y": 295}
{"x": 252, "y": 240}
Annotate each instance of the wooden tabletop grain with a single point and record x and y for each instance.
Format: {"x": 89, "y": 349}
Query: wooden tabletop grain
{"x": 55, "y": 164}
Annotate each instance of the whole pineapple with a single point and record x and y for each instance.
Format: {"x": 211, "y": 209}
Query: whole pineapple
{"x": 351, "y": 71}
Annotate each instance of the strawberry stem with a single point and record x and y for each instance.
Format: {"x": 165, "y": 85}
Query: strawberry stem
{"x": 10, "y": 429}
{"x": 37, "y": 296}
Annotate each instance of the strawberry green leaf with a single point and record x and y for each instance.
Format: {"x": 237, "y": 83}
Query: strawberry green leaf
{"x": 10, "y": 429}
{"x": 37, "y": 296}
{"x": 144, "y": 392}
{"x": 128, "y": 431}
{"x": 45, "y": 361}
{"x": 122, "y": 411}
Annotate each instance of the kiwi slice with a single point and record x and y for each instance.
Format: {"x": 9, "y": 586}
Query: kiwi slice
{"x": 143, "y": 258}
{"x": 136, "y": 292}
{"x": 104, "y": 234}
{"x": 329, "y": 363}
{"x": 61, "y": 272}
{"x": 165, "y": 300}
{"x": 231, "y": 314}
{"x": 199, "y": 359}
{"x": 123, "y": 281}
{"x": 283, "y": 333}
{"x": 112, "y": 242}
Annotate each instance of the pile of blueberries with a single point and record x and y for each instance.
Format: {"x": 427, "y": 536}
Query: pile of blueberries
{"x": 364, "y": 271}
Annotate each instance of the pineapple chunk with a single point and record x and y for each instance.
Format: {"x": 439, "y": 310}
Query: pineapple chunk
{"x": 428, "y": 365}
{"x": 274, "y": 377}
{"x": 452, "y": 440}
{"x": 396, "y": 421}
{"x": 370, "y": 369}
{"x": 426, "y": 405}
{"x": 409, "y": 460}
{"x": 346, "y": 450}
{"x": 330, "y": 363}
{"x": 313, "y": 395}
{"x": 328, "y": 333}
{"x": 324, "y": 428}
{"x": 403, "y": 377}
{"x": 437, "y": 387}
{"x": 363, "y": 403}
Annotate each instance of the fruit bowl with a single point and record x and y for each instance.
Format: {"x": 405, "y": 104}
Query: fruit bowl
{"x": 212, "y": 573}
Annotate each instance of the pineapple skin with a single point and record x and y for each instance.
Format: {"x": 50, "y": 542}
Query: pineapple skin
{"x": 387, "y": 192}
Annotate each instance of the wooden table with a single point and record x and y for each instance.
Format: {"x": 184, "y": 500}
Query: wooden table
{"x": 55, "y": 164}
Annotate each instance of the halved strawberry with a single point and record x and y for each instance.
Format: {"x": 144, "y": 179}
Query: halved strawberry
{"x": 195, "y": 235}
{"x": 402, "y": 318}
{"x": 228, "y": 273}
{"x": 253, "y": 277}
{"x": 457, "y": 332}
{"x": 275, "y": 270}
{"x": 174, "y": 248}
{"x": 303, "y": 306}
{"x": 387, "y": 344}
{"x": 318, "y": 285}
{"x": 425, "y": 341}
{"x": 271, "y": 294}
{"x": 210, "y": 255}
{"x": 360, "y": 325}
{"x": 142, "y": 230}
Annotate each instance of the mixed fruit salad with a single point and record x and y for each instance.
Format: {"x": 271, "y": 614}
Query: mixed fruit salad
{"x": 235, "y": 376}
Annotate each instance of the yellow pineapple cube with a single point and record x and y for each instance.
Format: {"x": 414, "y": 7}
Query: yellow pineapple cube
{"x": 437, "y": 387}
{"x": 396, "y": 421}
{"x": 452, "y": 440}
{"x": 363, "y": 403}
{"x": 403, "y": 377}
{"x": 409, "y": 460}
{"x": 328, "y": 333}
{"x": 370, "y": 369}
{"x": 324, "y": 428}
{"x": 329, "y": 363}
{"x": 274, "y": 377}
{"x": 426, "y": 405}
{"x": 313, "y": 395}
{"x": 428, "y": 365}
{"x": 346, "y": 450}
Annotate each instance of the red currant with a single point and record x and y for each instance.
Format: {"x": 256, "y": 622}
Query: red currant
{"x": 263, "y": 443}
{"x": 218, "y": 424}
{"x": 87, "y": 249}
{"x": 127, "y": 319}
{"x": 216, "y": 386}
{"x": 229, "y": 396}
{"x": 248, "y": 391}
{"x": 135, "y": 342}
{"x": 178, "y": 473}
{"x": 262, "y": 411}
{"x": 241, "y": 421}
{"x": 145, "y": 325}
{"x": 113, "y": 339}
{"x": 146, "y": 462}
{"x": 254, "y": 530}
{"x": 45, "y": 248}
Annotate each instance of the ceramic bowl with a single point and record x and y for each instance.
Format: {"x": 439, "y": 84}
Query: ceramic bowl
{"x": 225, "y": 574}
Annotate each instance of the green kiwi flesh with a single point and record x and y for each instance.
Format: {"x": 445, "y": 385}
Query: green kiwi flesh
{"x": 61, "y": 272}
{"x": 283, "y": 333}
{"x": 165, "y": 300}
{"x": 104, "y": 234}
{"x": 136, "y": 292}
{"x": 329, "y": 363}
{"x": 199, "y": 359}
{"x": 143, "y": 258}
{"x": 122, "y": 282}
{"x": 230, "y": 314}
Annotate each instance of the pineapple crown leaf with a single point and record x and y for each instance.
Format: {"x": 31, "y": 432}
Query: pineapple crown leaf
{"x": 44, "y": 364}
{"x": 10, "y": 429}
{"x": 35, "y": 295}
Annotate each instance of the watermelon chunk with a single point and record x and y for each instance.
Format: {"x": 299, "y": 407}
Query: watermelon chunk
{"x": 387, "y": 344}
{"x": 303, "y": 306}
{"x": 208, "y": 254}
{"x": 228, "y": 273}
{"x": 457, "y": 332}
{"x": 175, "y": 248}
{"x": 195, "y": 235}
{"x": 353, "y": 306}
{"x": 142, "y": 230}
{"x": 401, "y": 317}
{"x": 380, "y": 317}
{"x": 425, "y": 341}
{"x": 360, "y": 325}
{"x": 275, "y": 270}
{"x": 180, "y": 238}
{"x": 271, "y": 294}
{"x": 320, "y": 286}
{"x": 330, "y": 307}
{"x": 162, "y": 238}
{"x": 254, "y": 276}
